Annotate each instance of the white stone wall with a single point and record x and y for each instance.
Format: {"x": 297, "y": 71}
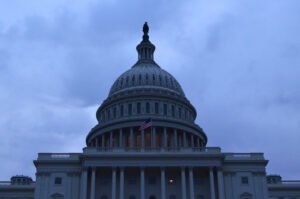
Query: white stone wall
{"x": 234, "y": 188}
{"x": 46, "y": 187}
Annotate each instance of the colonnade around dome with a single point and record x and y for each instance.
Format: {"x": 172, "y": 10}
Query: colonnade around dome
{"x": 153, "y": 138}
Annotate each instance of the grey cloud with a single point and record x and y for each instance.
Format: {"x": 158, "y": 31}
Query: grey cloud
{"x": 57, "y": 68}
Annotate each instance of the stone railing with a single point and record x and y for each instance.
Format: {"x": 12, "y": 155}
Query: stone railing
{"x": 8, "y": 183}
{"x": 149, "y": 149}
{"x": 59, "y": 156}
{"x": 296, "y": 182}
{"x": 5, "y": 183}
{"x": 244, "y": 156}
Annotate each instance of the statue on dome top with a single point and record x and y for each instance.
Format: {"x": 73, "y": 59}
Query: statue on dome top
{"x": 145, "y": 28}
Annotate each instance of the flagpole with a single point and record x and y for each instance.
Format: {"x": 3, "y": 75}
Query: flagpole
{"x": 143, "y": 128}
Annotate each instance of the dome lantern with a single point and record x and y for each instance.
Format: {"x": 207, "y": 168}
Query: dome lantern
{"x": 145, "y": 48}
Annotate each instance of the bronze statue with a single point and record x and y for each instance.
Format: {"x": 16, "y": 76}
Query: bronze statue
{"x": 145, "y": 28}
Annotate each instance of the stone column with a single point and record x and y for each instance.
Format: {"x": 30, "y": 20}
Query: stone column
{"x": 175, "y": 139}
{"x": 69, "y": 186}
{"x": 172, "y": 141}
{"x": 93, "y": 178}
{"x": 165, "y": 139}
{"x": 121, "y": 183}
{"x": 183, "y": 184}
{"x": 184, "y": 140}
{"x": 191, "y": 178}
{"x": 111, "y": 140}
{"x": 180, "y": 138}
{"x": 37, "y": 186}
{"x": 114, "y": 183}
{"x": 163, "y": 183}
{"x": 142, "y": 183}
{"x": 83, "y": 184}
{"x": 153, "y": 138}
{"x": 121, "y": 138}
{"x": 198, "y": 143}
{"x": 212, "y": 183}
{"x": 220, "y": 184}
{"x": 96, "y": 140}
{"x": 45, "y": 189}
{"x": 103, "y": 142}
{"x": 131, "y": 138}
{"x": 192, "y": 141}
{"x": 143, "y": 139}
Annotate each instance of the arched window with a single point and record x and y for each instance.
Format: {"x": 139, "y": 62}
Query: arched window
{"x": 167, "y": 83}
{"x": 179, "y": 112}
{"x": 175, "y": 84}
{"x": 147, "y": 107}
{"x": 246, "y": 196}
{"x": 127, "y": 80}
{"x": 160, "y": 80}
{"x": 172, "y": 197}
{"x": 200, "y": 197}
{"x": 165, "y": 109}
{"x": 132, "y": 197}
{"x": 152, "y": 197}
{"x": 156, "y": 108}
{"x": 129, "y": 109}
{"x": 57, "y": 196}
{"x": 109, "y": 115}
{"x": 104, "y": 197}
{"x": 171, "y": 80}
{"x": 121, "y": 110}
{"x": 114, "y": 112}
{"x": 173, "y": 111}
{"x": 138, "y": 108}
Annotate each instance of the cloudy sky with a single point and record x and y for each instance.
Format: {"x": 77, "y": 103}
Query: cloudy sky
{"x": 238, "y": 62}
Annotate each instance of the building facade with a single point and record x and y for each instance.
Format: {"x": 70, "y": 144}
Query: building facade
{"x": 147, "y": 145}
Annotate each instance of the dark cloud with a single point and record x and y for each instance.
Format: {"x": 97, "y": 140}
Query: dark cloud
{"x": 58, "y": 61}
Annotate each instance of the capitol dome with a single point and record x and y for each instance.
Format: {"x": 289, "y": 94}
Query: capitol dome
{"x": 148, "y": 75}
{"x": 146, "y": 92}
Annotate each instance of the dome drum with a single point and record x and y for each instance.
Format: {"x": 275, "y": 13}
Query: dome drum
{"x": 145, "y": 107}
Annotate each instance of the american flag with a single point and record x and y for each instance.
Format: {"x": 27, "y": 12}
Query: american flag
{"x": 146, "y": 124}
